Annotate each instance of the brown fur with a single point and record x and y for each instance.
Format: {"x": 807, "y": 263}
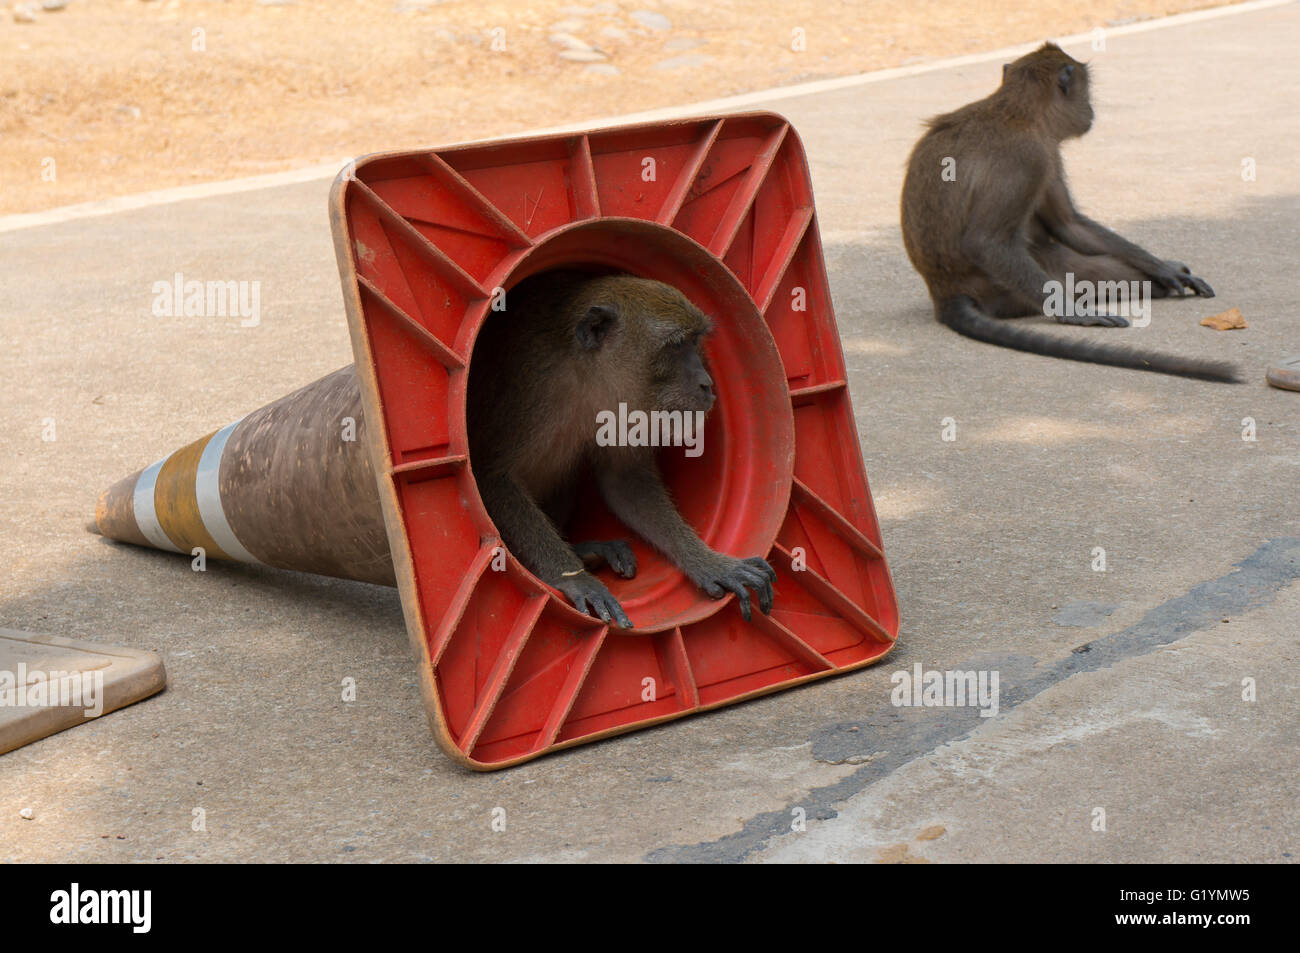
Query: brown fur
{"x": 568, "y": 346}
{"x": 989, "y": 241}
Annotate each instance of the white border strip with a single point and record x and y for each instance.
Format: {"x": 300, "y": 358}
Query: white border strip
{"x": 146, "y": 517}
{"x": 207, "y": 489}
{"x": 10, "y": 223}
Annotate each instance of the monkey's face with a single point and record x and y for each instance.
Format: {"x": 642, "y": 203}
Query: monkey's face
{"x": 677, "y": 330}
{"x": 644, "y": 339}
{"x": 1077, "y": 114}
{"x": 680, "y": 380}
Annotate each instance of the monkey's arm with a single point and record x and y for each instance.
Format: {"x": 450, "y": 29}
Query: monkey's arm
{"x": 637, "y": 496}
{"x": 1007, "y": 263}
{"x": 993, "y": 237}
{"x": 1071, "y": 227}
{"x": 535, "y": 542}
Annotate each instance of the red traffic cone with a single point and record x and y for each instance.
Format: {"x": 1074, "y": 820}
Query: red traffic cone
{"x": 426, "y": 242}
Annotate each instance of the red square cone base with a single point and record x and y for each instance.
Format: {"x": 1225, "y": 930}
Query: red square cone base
{"x": 721, "y": 208}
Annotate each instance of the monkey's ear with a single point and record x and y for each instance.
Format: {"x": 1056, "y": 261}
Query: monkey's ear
{"x": 1063, "y": 79}
{"x": 595, "y": 325}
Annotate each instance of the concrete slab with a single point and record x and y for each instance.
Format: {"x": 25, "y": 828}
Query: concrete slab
{"x": 253, "y": 754}
{"x": 48, "y": 684}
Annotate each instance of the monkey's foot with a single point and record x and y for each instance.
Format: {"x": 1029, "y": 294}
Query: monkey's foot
{"x": 1175, "y": 277}
{"x": 739, "y": 576}
{"x": 614, "y": 553}
{"x": 588, "y": 594}
{"x": 1094, "y": 320}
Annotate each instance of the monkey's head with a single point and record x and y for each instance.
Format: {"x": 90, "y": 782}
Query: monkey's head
{"x": 641, "y": 340}
{"x": 1055, "y": 85}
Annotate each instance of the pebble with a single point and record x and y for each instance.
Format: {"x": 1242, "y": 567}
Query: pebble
{"x": 569, "y": 41}
{"x": 26, "y": 814}
{"x": 655, "y": 21}
{"x": 604, "y": 69}
{"x": 683, "y": 62}
{"x": 679, "y": 44}
{"x": 24, "y": 13}
{"x": 582, "y": 56}
{"x": 52, "y": 5}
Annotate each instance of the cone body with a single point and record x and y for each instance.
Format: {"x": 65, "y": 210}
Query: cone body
{"x": 290, "y": 486}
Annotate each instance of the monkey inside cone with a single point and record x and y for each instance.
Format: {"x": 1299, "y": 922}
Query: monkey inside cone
{"x": 569, "y": 350}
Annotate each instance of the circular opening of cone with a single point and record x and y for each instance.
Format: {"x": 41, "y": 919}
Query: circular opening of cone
{"x": 736, "y": 492}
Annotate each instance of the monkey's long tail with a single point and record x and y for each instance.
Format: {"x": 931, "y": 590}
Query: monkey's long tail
{"x": 963, "y": 315}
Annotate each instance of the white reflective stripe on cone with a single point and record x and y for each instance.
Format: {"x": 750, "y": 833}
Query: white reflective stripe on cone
{"x": 207, "y": 490}
{"x": 146, "y": 517}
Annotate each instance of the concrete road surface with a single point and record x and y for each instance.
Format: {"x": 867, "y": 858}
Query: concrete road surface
{"x": 1149, "y": 712}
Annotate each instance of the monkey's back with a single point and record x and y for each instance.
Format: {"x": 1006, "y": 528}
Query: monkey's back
{"x": 528, "y": 406}
{"x": 981, "y": 146}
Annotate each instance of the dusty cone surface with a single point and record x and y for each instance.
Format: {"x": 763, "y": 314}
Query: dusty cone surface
{"x": 289, "y": 486}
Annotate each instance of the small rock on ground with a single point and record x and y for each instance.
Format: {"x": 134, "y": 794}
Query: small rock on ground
{"x": 581, "y": 56}
{"x": 655, "y": 21}
{"x": 683, "y": 62}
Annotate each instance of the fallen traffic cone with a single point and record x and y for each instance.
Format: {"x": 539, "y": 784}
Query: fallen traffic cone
{"x": 426, "y": 242}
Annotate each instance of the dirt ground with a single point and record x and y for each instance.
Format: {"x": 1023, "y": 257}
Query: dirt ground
{"x": 108, "y": 97}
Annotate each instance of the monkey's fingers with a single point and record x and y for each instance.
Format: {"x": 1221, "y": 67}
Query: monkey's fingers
{"x": 742, "y": 596}
{"x": 717, "y": 588}
{"x": 605, "y": 607}
{"x": 762, "y": 587}
{"x": 760, "y": 563}
{"x": 1199, "y": 286}
{"x": 612, "y": 606}
{"x": 753, "y": 577}
{"x": 621, "y": 559}
{"x": 1172, "y": 283}
{"x": 616, "y": 554}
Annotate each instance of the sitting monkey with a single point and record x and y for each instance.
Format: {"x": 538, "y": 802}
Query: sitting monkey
{"x": 989, "y": 223}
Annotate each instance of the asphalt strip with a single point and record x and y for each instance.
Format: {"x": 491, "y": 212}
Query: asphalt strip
{"x": 891, "y": 739}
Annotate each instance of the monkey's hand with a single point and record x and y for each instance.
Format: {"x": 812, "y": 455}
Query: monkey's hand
{"x": 588, "y": 594}
{"x": 615, "y": 553}
{"x": 1175, "y": 276}
{"x": 724, "y": 574}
